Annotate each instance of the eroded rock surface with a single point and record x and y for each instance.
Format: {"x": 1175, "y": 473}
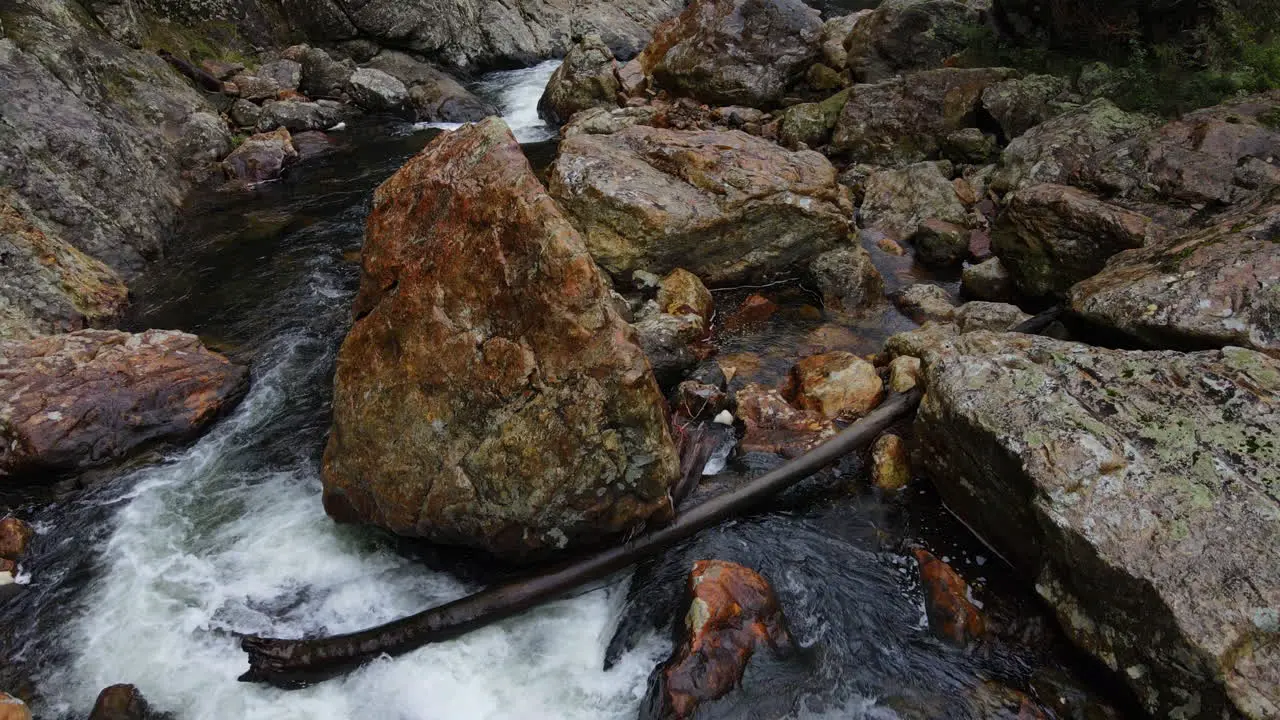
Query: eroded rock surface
{"x": 1109, "y": 476}
{"x": 489, "y": 394}
{"x": 727, "y": 206}
{"x": 72, "y": 401}
{"x": 586, "y": 79}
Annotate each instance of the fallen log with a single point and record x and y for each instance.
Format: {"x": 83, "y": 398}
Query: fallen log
{"x": 298, "y": 663}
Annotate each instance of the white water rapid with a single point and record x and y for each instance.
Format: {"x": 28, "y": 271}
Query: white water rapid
{"x": 517, "y": 92}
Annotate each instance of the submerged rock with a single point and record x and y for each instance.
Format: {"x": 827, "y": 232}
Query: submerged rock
{"x": 1207, "y": 288}
{"x": 904, "y": 119}
{"x": 952, "y": 615}
{"x": 488, "y": 393}
{"x": 586, "y": 79}
{"x": 120, "y": 702}
{"x": 1109, "y": 476}
{"x": 735, "y": 52}
{"x": 726, "y": 206}
{"x": 71, "y": 401}
{"x": 1051, "y": 236}
{"x": 733, "y": 615}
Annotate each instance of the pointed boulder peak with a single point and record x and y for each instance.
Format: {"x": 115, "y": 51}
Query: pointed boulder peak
{"x": 489, "y": 394}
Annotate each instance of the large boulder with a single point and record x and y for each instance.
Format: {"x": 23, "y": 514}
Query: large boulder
{"x": 322, "y": 75}
{"x": 1218, "y": 155}
{"x": 72, "y": 401}
{"x": 902, "y": 35}
{"x": 1207, "y": 288}
{"x": 488, "y": 393}
{"x": 735, "y": 52}
{"x": 1052, "y": 236}
{"x": 1109, "y": 477}
{"x": 436, "y": 97}
{"x": 1022, "y": 103}
{"x": 297, "y": 116}
{"x": 904, "y": 119}
{"x": 1061, "y": 150}
{"x": 46, "y": 284}
{"x": 586, "y": 79}
{"x": 727, "y": 206}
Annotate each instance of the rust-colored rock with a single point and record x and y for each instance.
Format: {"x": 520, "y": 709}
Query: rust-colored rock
{"x": 119, "y": 702}
{"x": 774, "y": 426}
{"x": 76, "y": 400}
{"x": 755, "y": 310}
{"x": 733, "y": 614}
{"x": 11, "y": 708}
{"x": 952, "y": 616}
{"x": 488, "y": 393}
{"x": 837, "y": 385}
{"x": 14, "y": 537}
{"x": 890, "y": 469}
{"x": 682, "y": 293}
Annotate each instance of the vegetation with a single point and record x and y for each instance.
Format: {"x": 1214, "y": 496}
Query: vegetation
{"x": 1238, "y": 53}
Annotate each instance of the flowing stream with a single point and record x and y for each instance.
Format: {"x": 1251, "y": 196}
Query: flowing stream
{"x": 144, "y": 576}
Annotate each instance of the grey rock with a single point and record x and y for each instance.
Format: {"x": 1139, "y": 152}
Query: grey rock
{"x": 997, "y": 317}
{"x": 322, "y": 76}
{"x": 255, "y": 87}
{"x": 205, "y": 139}
{"x": 988, "y": 280}
{"x": 120, "y": 18}
{"x": 847, "y": 279}
{"x": 287, "y": 74}
{"x": 1109, "y": 477}
{"x": 1022, "y": 103}
{"x": 297, "y": 116}
{"x": 940, "y": 243}
{"x": 436, "y": 97}
{"x": 586, "y": 79}
{"x": 924, "y": 303}
{"x": 969, "y": 146}
{"x": 903, "y": 35}
{"x": 834, "y": 33}
{"x": 244, "y": 114}
{"x": 665, "y": 339}
{"x": 377, "y": 91}
{"x": 897, "y": 201}
{"x": 261, "y": 157}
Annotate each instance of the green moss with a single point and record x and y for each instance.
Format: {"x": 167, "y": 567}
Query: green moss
{"x": 209, "y": 40}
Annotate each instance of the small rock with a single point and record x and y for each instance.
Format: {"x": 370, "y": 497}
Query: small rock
{"x": 733, "y": 614}
{"x": 837, "y": 385}
{"x": 890, "y": 469}
{"x": 11, "y": 708}
{"x": 15, "y": 535}
{"x": 297, "y": 116}
{"x": 667, "y": 341}
{"x": 939, "y": 243}
{"x": 997, "y": 317}
{"x": 810, "y": 124}
{"x": 8, "y": 567}
{"x": 902, "y": 35}
{"x": 891, "y": 247}
{"x": 245, "y": 114}
{"x": 834, "y": 33}
{"x": 969, "y": 146}
{"x": 755, "y": 310}
{"x": 205, "y": 139}
{"x": 322, "y": 76}
{"x": 696, "y": 400}
{"x": 904, "y": 373}
{"x": 119, "y": 702}
{"x": 261, "y": 157}
{"x": 287, "y": 74}
{"x": 988, "y": 280}
{"x": 952, "y": 617}
{"x": 847, "y": 279}
{"x": 253, "y": 87}
{"x": 1063, "y": 148}
{"x": 924, "y": 302}
{"x": 774, "y": 426}
{"x": 682, "y": 293}
{"x": 376, "y": 91}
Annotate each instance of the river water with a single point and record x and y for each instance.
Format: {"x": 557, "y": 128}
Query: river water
{"x": 142, "y": 575}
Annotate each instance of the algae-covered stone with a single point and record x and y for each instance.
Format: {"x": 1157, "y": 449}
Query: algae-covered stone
{"x": 811, "y": 123}
{"x": 488, "y": 393}
{"x": 1110, "y": 477}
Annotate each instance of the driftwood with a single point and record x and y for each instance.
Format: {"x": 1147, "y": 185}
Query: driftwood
{"x": 297, "y": 663}
{"x": 193, "y": 73}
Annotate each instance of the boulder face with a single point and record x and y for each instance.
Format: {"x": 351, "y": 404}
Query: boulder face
{"x": 488, "y": 393}
{"x": 1052, "y": 236}
{"x": 735, "y": 52}
{"x": 904, "y": 119}
{"x": 1109, "y": 476}
{"x": 1211, "y": 287}
{"x": 261, "y": 157}
{"x": 436, "y": 97}
{"x": 1061, "y": 150}
{"x": 71, "y": 401}
{"x": 897, "y": 201}
{"x": 727, "y": 206}
{"x": 586, "y": 79}
{"x": 902, "y": 35}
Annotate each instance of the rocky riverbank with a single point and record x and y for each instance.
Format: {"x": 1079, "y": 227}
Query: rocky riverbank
{"x": 541, "y": 368}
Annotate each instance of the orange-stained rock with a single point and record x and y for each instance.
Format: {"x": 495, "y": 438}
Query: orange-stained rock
{"x": 14, "y": 537}
{"x": 890, "y": 469}
{"x": 952, "y": 616}
{"x": 119, "y": 702}
{"x": 11, "y": 708}
{"x": 75, "y": 400}
{"x": 774, "y": 426}
{"x": 488, "y": 393}
{"x": 755, "y": 310}
{"x": 682, "y": 293}
{"x": 836, "y": 385}
{"x": 733, "y": 614}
